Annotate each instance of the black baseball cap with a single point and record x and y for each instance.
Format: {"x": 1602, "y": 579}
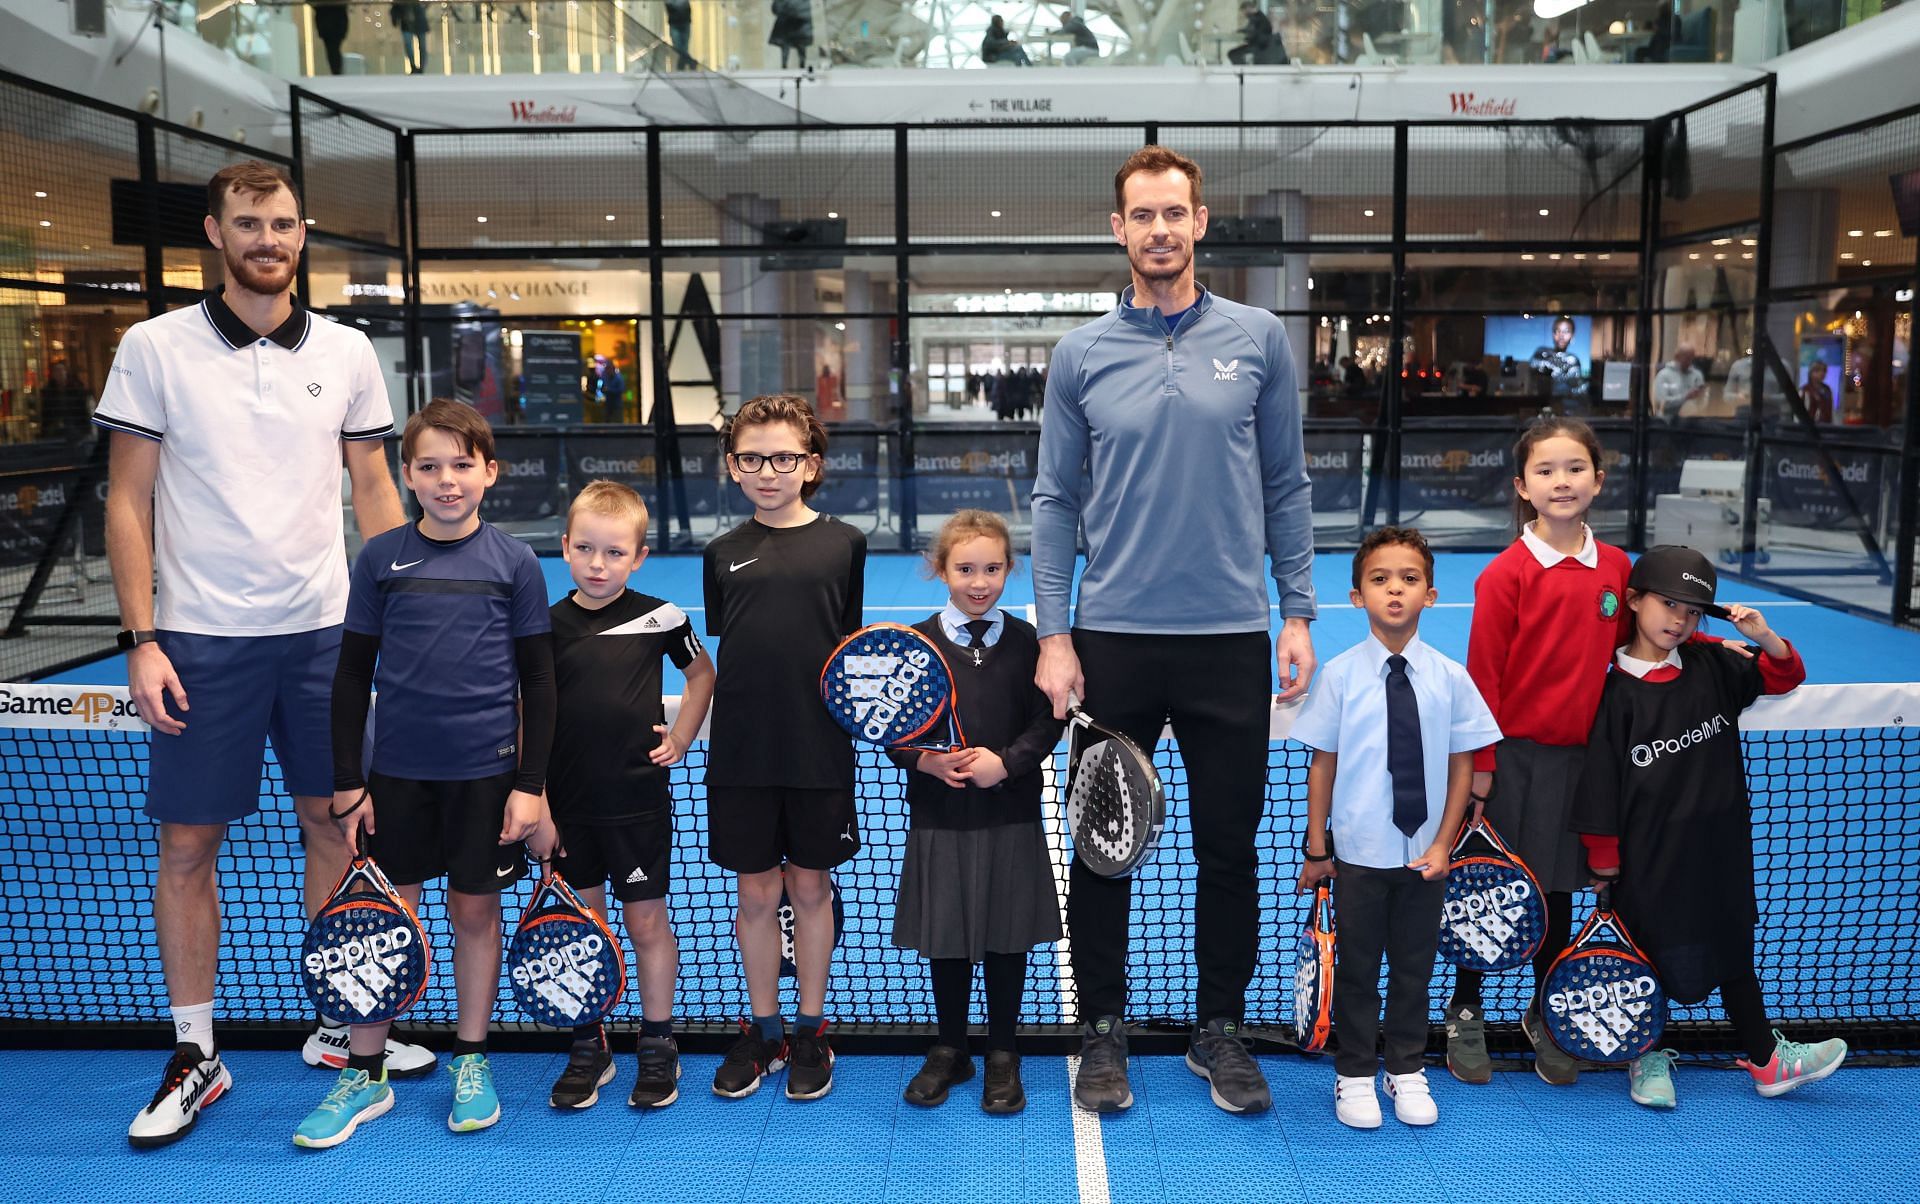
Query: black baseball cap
{"x": 1679, "y": 573}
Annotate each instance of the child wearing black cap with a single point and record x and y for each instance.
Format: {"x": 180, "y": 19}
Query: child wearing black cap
{"x": 1664, "y": 813}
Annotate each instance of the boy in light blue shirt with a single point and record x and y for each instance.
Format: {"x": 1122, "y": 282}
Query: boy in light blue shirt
{"x": 1393, "y": 725}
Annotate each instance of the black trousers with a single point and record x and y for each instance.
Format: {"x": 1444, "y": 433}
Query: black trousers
{"x": 1393, "y": 912}
{"x": 1216, "y": 691}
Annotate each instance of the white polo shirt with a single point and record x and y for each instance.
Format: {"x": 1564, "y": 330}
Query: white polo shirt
{"x": 247, "y": 533}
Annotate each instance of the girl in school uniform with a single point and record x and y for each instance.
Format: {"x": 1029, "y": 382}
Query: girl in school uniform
{"x": 977, "y": 884}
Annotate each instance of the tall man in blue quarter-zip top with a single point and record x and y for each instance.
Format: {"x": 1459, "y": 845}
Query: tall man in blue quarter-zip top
{"x": 1172, "y": 434}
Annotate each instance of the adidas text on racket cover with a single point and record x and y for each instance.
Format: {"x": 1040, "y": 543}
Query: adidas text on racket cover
{"x": 1599, "y": 997}
{"x": 578, "y": 957}
{"x": 361, "y": 950}
{"x": 1501, "y": 900}
{"x": 878, "y": 686}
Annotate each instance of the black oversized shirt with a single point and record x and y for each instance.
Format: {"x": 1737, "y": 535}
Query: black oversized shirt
{"x": 780, "y": 599}
{"x": 1664, "y": 773}
{"x": 1000, "y": 709}
{"x": 607, "y": 671}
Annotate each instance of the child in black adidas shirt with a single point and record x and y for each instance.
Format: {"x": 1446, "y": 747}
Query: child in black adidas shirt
{"x": 1665, "y": 817}
{"x": 977, "y": 884}
{"x": 607, "y": 782}
{"x": 782, "y": 589}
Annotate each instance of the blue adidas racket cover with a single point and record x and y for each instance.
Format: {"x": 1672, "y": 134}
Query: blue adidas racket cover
{"x": 1494, "y": 917}
{"x": 566, "y": 966}
{"x": 888, "y": 684}
{"x": 787, "y": 968}
{"x": 1602, "y": 1001}
{"x": 365, "y": 959}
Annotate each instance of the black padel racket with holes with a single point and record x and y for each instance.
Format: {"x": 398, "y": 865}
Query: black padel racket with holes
{"x": 365, "y": 959}
{"x": 565, "y": 963}
{"x": 1602, "y": 1001}
{"x": 1494, "y": 917}
{"x": 1313, "y": 975}
{"x": 1116, "y": 804}
{"x": 887, "y": 684}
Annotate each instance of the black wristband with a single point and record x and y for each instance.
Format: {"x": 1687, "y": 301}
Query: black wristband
{"x": 1306, "y": 848}
{"x": 1482, "y": 799}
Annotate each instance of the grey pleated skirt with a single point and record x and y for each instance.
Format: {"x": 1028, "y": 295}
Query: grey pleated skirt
{"x": 977, "y": 891}
{"x": 1532, "y": 802}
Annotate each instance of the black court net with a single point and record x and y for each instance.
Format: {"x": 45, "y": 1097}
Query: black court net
{"x": 1834, "y": 772}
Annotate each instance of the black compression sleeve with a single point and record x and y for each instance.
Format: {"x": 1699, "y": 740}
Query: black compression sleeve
{"x": 538, "y": 703}
{"x": 352, "y": 687}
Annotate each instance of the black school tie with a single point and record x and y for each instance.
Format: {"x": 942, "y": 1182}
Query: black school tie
{"x": 977, "y": 636}
{"x": 1405, "y": 757}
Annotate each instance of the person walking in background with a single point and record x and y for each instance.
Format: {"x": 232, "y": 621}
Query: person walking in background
{"x": 792, "y": 28}
{"x": 330, "y": 26}
{"x": 608, "y": 389}
{"x": 410, "y": 18}
{"x": 680, "y": 32}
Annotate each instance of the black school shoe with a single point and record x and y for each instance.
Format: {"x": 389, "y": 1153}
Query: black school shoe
{"x": 1002, "y": 1095}
{"x": 1101, "y": 1085}
{"x": 944, "y": 1068}
{"x": 749, "y": 1060}
{"x": 809, "y": 1064}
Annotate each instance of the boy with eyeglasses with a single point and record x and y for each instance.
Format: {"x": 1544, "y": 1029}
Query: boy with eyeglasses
{"x": 782, "y": 590}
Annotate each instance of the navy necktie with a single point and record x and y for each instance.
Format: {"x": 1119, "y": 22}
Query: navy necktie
{"x": 977, "y": 631}
{"x": 1405, "y": 757}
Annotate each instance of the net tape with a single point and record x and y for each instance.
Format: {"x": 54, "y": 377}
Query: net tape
{"x": 1834, "y": 772}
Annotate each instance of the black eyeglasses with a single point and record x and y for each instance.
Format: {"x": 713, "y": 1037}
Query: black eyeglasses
{"x": 750, "y": 462}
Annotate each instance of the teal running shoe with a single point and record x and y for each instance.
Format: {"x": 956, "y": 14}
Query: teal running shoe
{"x": 1650, "y": 1079}
{"x": 475, "y": 1106}
{"x": 1795, "y": 1064}
{"x": 356, "y": 1097}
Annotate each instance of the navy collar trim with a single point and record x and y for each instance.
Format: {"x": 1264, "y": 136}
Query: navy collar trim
{"x": 290, "y": 334}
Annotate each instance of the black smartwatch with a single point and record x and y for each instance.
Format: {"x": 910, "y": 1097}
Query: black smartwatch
{"x": 129, "y": 640}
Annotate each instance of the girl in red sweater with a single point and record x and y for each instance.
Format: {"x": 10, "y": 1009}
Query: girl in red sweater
{"x": 1547, "y": 616}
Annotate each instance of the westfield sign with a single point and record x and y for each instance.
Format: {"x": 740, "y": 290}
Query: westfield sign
{"x": 1472, "y": 104}
{"x": 525, "y": 112}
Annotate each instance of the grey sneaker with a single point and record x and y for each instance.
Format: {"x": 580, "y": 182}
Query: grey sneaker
{"x": 1101, "y": 1085}
{"x": 1467, "y": 1044}
{"x": 1550, "y": 1062}
{"x": 1219, "y": 1055}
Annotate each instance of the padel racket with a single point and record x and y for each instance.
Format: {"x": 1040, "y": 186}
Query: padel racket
{"x": 565, "y": 963}
{"x": 1602, "y": 1001}
{"x": 365, "y": 959}
{"x": 1116, "y": 804}
{"x": 1494, "y": 917}
{"x": 888, "y": 684}
{"x": 787, "y": 967}
{"x": 1313, "y": 976}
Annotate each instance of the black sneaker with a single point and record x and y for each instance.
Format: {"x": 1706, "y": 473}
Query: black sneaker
{"x": 589, "y": 1068}
{"x": 945, "y": 1066}
{"x": 1101, "y": 1084}
{"x": 191, "y": 1081}
{"x": 1219, "y": 1055}
{"x": 810, "y": 1068}
{"x": 659, "y": 1082}
{"x": 748, "y": 1061}
{"x": 1002, "y": 1094}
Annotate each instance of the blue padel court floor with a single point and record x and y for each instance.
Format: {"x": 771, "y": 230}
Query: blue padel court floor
{"x": 1837, "y": 647}
{"x": 1514, "y": 1140}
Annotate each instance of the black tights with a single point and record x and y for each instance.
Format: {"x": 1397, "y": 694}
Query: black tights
{"x": 1006, "y": 975}
{"x": 1747, "y": 1009}
{"x": 1466, "y": 983}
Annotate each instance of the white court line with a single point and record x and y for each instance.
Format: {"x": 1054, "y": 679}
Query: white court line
{"x": 1089, "y": 1149}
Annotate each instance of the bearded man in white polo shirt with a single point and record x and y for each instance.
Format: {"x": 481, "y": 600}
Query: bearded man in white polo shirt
{"x": 229, "y": 423}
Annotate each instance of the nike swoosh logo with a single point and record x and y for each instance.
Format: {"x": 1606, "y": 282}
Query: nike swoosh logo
{"x": 396, "y": 566}
{"x": 734, "y": 568}
{"x": 506, "y": 873}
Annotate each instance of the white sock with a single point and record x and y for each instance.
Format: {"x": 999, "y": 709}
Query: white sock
{"x": 194, "y": 1025}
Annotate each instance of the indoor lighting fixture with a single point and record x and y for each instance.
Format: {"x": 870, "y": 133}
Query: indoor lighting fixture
{"x": 1876, "y": 233}
{"x": 1546, "y": 213}
{"x": 1746, "y": 254}
{"x": 1749, "y": 242}
{"x": 45, "y": 222}
{"x": 609, "y": 217}
{"x": 1554, "y": 256}
{"x": 1579, "y": 254}
{"x": 1856, "y": 233}
{"x": 1547, "y": 10}
{"x": 1866, "y": 263}
{"x": 1846, "y": 254}
{"x": 310, "y": 221}
{"x": 839, "y": 325}
{"x": 41, "y": 195}
{"x": 1719, "y": 254}
{"x": 481, "y": 220}
{"x": 1605, "y": 255}
{"x": 1721, "y": 242}
{"x": 1527, "y": 256}
{"x": 831, "y": 215}
{"x": 1366, "y": 213}
{"x": 1693, "y": 254}
{"x": 994, "y": 213}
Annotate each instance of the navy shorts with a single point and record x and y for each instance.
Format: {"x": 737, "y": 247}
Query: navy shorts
{"x": 241, "y": 692}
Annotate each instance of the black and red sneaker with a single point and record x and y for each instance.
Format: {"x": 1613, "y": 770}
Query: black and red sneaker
{"x": 810, "y": 1066}
{"x": 750, "y": 1059}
